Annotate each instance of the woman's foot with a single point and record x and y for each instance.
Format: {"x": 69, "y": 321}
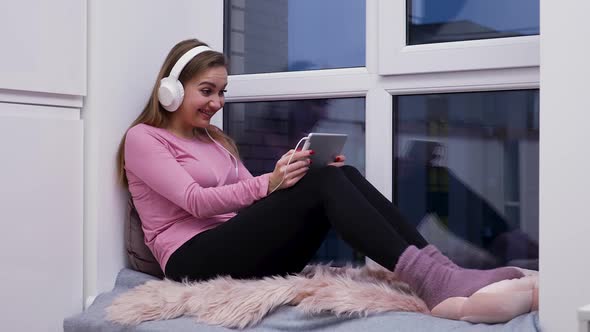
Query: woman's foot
{"x": 435, "y": 281}
{"x": 438, "y": 256}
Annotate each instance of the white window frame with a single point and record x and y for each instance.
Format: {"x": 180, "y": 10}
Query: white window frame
{"x": 378, "y": 90}
{"x": 395, "y": 57}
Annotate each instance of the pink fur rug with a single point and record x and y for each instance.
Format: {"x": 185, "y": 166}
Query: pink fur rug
{"x": 236, "y": 303}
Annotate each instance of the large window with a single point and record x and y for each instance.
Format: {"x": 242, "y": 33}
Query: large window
{"x": 466, "y": 174}
{"x": 435, "y": 83}
{"x": 264, "y": 36}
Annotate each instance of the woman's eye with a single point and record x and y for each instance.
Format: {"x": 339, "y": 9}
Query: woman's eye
{"x": 222, "y": 92}
{"x": 206, "y": 92}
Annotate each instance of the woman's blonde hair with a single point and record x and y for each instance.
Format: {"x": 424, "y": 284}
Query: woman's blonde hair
{"x": 155, "y": 115}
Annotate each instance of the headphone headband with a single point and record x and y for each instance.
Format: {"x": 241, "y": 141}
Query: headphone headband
{"x": 185, "y": 59}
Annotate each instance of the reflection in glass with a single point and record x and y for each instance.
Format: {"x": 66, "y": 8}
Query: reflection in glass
{"x": 264, "y": 36}
{"x": 436, "y": 21}
{"x": 264, "y": 131}
{"x": 466, "y": 173}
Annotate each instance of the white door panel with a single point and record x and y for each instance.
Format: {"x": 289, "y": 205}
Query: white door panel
{"x": 43, "y": 46}
{"x": 41, "y": 204}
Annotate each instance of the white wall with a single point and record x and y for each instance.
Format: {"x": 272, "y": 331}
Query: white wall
{"x": 564, "y": 162}
{"x": 128, "y": 41}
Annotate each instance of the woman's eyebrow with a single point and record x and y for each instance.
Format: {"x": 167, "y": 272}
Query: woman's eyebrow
{"x": 211, "y": 84}
{"x": 207, "y": 83}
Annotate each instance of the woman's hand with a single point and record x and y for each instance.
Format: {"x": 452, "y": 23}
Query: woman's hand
{"x": 338, "y": 161}
{"x": 285, "y": 176}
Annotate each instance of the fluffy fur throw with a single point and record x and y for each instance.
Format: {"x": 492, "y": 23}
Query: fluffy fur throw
{"x": 244, "y": 303}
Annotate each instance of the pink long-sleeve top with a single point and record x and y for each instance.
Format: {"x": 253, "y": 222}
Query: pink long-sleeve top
{"x": 182, "y": 187}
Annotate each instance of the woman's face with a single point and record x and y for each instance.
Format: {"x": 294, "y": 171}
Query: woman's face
{"x": 204, "y": 95}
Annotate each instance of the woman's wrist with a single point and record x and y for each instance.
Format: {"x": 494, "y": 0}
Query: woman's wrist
{"x": 272, "y": 183}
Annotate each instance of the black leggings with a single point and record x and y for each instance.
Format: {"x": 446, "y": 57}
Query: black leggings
{"x": 281, "y": 233}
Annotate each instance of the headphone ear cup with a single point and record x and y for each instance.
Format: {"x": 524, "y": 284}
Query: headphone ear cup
{"x": 170, "y": 93}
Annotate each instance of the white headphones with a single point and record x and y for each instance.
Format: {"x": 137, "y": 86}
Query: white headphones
{"x": 171, "y": 91}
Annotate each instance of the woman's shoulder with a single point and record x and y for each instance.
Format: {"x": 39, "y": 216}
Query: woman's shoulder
{"x": 143, "y": 133}
{"x": 142, "y": 129}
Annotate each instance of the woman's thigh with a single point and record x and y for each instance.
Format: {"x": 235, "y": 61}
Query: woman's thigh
{"x": 275, "y": 236}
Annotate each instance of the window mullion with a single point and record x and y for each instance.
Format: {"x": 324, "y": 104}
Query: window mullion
{"x": 379, "y": 139}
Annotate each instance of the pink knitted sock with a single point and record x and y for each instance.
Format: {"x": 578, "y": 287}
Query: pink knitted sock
{"x": 435, "y": 282}
{"x": 438, "y": 256}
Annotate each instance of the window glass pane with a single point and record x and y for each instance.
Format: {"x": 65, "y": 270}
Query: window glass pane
{"x": 466, "y": 173}
{"x": 264, "y": 36}
{"x": 435, "y": 21}
{"x": 264, "y": 131}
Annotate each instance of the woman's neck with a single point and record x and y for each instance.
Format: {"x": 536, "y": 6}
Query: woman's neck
{"x": 180, "y": 130}
{"x": 185, "y": 134}
{"x": 182, "y": 133}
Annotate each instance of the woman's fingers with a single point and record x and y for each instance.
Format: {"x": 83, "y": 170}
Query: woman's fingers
{"x": 303, "y": 154}
{"x": 337, "y": 164}
{"x": 288, "y": 153}
{"x": 338, "y": 161}
{"x": 285, "y": 158}
{"x": 294, "y": 172}
{"x": 297, "y": 172}
{"x": 296, "y": 155}
{"x": 294, "y": 180}
{"x": 293, "y": 166}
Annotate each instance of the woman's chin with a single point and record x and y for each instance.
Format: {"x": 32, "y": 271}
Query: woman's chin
{"x": 201, "y": 123}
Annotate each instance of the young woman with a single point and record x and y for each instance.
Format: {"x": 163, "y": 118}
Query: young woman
{"x": 204, "y": 214}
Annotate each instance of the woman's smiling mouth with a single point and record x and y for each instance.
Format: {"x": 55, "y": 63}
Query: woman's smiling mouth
{"x": 209, "y": 114}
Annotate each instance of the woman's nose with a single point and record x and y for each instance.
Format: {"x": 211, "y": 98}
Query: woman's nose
{"x": 215, "y": 102}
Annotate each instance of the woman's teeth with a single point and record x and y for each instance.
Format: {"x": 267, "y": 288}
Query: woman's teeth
{"x": 206, "y": 113}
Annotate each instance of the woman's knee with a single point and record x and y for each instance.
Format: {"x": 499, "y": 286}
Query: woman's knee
{"x": 327, "y": 177}
{"x": 322, "y": 172}
{"x": 350, "y": 170}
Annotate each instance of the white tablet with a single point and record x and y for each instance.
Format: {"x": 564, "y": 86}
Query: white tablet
{"x": 325, "y": 147}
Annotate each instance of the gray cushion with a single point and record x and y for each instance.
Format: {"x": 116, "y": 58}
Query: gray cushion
{"x": 140, "y": 256}
{"x": 286, "y": 318}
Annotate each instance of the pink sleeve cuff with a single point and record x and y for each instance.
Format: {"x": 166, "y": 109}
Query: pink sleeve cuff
{"x": 263, "y": 181}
